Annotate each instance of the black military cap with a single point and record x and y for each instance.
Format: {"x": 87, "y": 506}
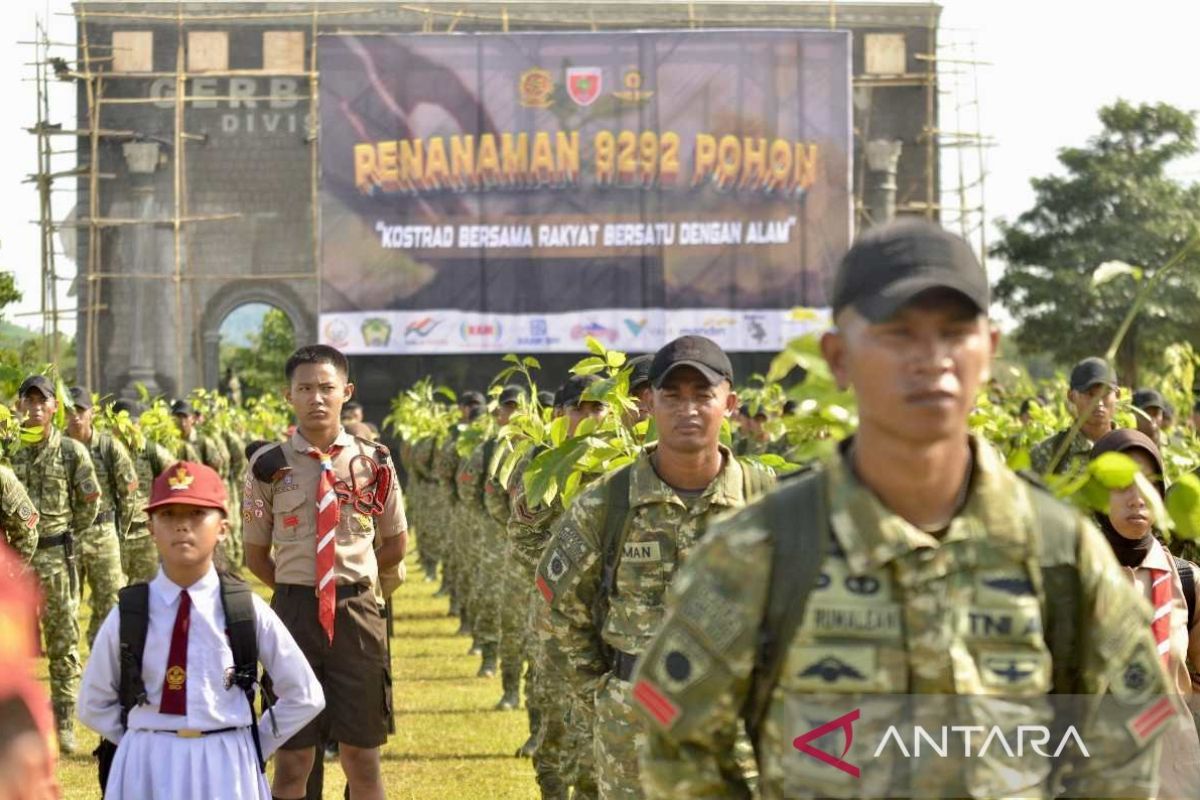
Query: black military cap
{"x": 697, "y": 352}
{"x": 1089, "y": 372}
{"x": 547, "y": 398}
{"x": 80, "y": 397}
{"x": 182, "y": 408}
{"x": 471, "y": 398}
{"x": 511, "y": 394}
{"x": 133, "y": 409}
{"x": 1149, "y": 398}
{"x": 891, "y": 265}
{"x": 572, "y": 390}
{"x": 39, "y": 382}
{"x": 639, "y": 378}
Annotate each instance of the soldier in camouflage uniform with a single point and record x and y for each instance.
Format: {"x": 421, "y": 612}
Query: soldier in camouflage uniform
{"x": 421, "y": 501}
{"x": 649, "y": 516}
{"x": 560, "y": 733}
{"x": 198, "y": 447}
{"x": 235, "y": 446}
{"x": 460, "y": 536}
{"x": 18, "y": 515}
{"x": 100, "y": 546}
{"x": 487, "y": 555}
{"x": 1093, "y": 392}
{"x": 139, "y": 556}
{"x": 934, "y": 570}
{"x": 58, "y": 474}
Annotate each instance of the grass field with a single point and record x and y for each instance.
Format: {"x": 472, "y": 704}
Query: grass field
{"x": 449, "y": 743}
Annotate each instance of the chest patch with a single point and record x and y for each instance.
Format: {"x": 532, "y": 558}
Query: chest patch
{"x": 641, "y": 552}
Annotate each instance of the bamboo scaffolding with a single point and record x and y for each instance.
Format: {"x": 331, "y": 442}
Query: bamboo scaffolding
{"x": 318, "y": 20}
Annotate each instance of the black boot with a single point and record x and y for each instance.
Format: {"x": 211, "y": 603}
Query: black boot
{"x": 487, "y": 669}
{"x": 512, "y": 690}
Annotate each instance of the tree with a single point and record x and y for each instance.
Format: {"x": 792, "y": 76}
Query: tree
{"x": 259, "y": 366}
{"x": 1115, "y": 203}
{"x": 9, "y": 293}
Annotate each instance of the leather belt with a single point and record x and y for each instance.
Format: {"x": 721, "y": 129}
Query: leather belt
{"x": 344, "y": 590}
{"x": 624, "y": 664}
{"x": 57, "y": 540}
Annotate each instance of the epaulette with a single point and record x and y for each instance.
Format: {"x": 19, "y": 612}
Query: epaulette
{"x": 268, "y": 463}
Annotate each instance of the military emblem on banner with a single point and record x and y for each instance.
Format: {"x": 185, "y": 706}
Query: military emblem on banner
{"x": 583, "y": 84}
{"x": 535, "y": 87}
{"x": 633, "y": 93}
{"x": 376, "y": 332}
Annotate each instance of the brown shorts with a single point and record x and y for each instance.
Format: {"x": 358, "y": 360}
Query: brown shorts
{"x": 353, "y": 672}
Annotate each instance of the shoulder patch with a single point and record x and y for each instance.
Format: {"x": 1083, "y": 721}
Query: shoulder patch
{"x": 572, "y": 544}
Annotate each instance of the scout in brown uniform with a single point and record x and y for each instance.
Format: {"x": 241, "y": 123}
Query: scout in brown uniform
{"x": 325, "y": 490}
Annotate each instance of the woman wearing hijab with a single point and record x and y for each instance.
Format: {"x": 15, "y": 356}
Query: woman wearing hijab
{"x": 1129, "y": 527}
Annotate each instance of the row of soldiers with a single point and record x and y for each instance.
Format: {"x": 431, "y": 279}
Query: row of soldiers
{"x": 72, "y": 504}
{"x": 659, "y": 619}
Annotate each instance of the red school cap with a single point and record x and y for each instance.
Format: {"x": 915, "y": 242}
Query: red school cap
{"x": 190, "y": 484}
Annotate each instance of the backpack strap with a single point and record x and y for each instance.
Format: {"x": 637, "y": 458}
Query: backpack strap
{"x": 1187, "y": 577}
{"x": 616, "y": 512}
{"x": 133, "y": 610}
{"x": 798, "y": 551}
{"x": 238, "y": 603}
{"x": 755, "y": 481}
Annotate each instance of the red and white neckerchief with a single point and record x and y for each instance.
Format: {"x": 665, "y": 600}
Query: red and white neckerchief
{"x": 328, "y": 516}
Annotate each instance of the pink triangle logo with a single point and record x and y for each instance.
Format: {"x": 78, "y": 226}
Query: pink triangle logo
{"x": 843, "y": 723}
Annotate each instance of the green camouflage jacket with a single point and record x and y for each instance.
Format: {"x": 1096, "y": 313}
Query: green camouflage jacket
{"x": 118, "y": 479}
{"x": 478, "y": 487}
{"x": 661, "y": 531}
{"x": 149, "y": 462}
{"x": 1074, "y": 459}
{"x": 61, "y": 481}
{"x": 200, "y": 448}
{"x": 18, "y": 515}
{"x": 898, "y": 612}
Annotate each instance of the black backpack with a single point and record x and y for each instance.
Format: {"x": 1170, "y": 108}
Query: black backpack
{"x": 134, "y": 614}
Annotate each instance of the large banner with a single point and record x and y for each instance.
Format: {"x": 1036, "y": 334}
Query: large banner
{"x": 497, "y": 192}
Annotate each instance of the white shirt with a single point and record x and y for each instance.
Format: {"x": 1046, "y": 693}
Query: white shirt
{"x": 210, "y": 704}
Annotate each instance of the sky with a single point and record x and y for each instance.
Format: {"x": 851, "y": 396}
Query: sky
{"x": 1051, "y": 65}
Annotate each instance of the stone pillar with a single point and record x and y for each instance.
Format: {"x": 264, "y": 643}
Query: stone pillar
{"x": 883, "y": 155}
{"x": 142, "y": 159}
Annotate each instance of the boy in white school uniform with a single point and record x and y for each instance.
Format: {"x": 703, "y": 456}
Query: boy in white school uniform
{"x": 192, "y": 736}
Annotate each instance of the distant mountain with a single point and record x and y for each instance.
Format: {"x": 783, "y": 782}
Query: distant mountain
{"x": 13, "y": 335}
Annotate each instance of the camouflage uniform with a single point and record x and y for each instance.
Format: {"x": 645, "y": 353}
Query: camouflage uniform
{"x": 101, "y": 544}
{"x": 235, "y": 448}
{"x": 447, "y": 516}
{"x": 661, "y": 530}
{"x": 18, "y": 515}
{"x": 896, "y": 611}
{"x": 1074, "y": 459}
{"x": 139, "y": 556}
{"x": 61, "y": 481}
{"x": 485, "y": 540}
{"x": 562, "y": 757}
{"x": 420, "y": 494}
{"x": 200, "y": 448}
{"x": 512, "y": 592}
